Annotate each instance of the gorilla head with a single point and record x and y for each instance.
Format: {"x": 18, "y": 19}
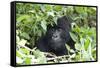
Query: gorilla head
{"x": 56, "y": 37}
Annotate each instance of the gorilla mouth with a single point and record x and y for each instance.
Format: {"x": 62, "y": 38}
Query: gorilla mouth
{"x": 56, "y": 39}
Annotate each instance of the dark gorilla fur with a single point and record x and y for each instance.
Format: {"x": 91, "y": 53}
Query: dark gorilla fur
{"x": 56, "y": 37}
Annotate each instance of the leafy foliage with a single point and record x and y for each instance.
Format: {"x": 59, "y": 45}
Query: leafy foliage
{"x": 31, "y": 24}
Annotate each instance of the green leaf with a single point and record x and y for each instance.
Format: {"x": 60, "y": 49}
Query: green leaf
{"x": 68, "y": 47}
{"x": 39, "y": 33}
{"x": 75, "y": 28}
{"x": 48, "y": 7}
{"x": 40, "y": 56}
{"x": 87, "y": 43}
{"x": 43, "y": 24}
{"x": 18, "y": 54}
{"x": 22, "y": 17}
{"x": 78, "y": 46}
{"x": 79, "y": 9}
{"x": 25, "y": 51}
{"x": 82, "y": 40}
{"x": 57, "y": 8}
{"x": 22, "y": 42}
{"x": 37, "y": 7}
{"x": 27, "y": 61}
{"x": 51, "y": 13}
{"x": 73, "y": 36}
{"x": 25, "y": 35}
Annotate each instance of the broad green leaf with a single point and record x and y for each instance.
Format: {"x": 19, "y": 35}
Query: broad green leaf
{"x": 57, "y": 8}
{"x": 48, "y": 7}
{"x": 39, "y": 33}
{"x": 22, "y": 17}
{"x": 51, "y": 13}
{"x": 68, "y": 47}
{"x": 22, "y": 42}
{"x": 25, "y": 35}
{"x": 72, "y": 51}
{"x": 31, "y": 11}
{"x": 38, "y": 18}
{"x": 18, "y": 54}
{"x": 79, "y": 9}
{"x": 82, "y": 40}
{"x": 78, "y": 46}
{"x": 28, "y": 60}
{"x": 75, "y": 28}
{"x": 74, "y": 37}
{"x": 43, "y": 24}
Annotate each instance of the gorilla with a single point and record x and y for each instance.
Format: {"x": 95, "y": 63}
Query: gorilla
{"x": 56, "y": 37}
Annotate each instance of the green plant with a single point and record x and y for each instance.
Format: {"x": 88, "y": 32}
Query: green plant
{"x": 31, "y": 24}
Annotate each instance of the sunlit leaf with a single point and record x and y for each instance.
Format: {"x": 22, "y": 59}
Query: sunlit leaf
{"x": 78, "y": 46}
{"x": 87, "y": 43}
{"x": 27, "y": 60}
{"x": 22, "y": 42}
{"x": 25, "y": 51}
{"x": 48, "y": 7}
{"x": 43, "y": 24}
{"x": 51, "y": 13}
{"x": 57, "y": 8}
{"x": 79, "y": 9}
{"x": 22, "y": 17}
{"x": 74, "y": 37}
{"x": 18, "y": 54}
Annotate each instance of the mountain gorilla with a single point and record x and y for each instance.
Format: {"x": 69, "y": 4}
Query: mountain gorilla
{"x": 56, "y": 37}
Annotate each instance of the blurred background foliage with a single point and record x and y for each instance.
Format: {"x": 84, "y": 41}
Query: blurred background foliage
{"x": 31, "y": 24}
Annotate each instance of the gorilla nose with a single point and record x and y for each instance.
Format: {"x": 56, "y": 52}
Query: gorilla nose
{"x": 55, "y": 36}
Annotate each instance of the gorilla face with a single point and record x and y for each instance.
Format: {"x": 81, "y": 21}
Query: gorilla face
{"x": 55, "y": 34}
{"x": 55, "y": 38}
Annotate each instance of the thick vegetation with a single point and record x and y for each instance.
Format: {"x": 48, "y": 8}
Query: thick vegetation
{"x": 31, "y": 24}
